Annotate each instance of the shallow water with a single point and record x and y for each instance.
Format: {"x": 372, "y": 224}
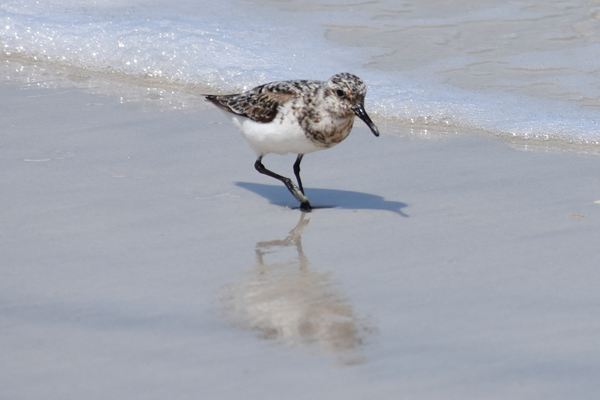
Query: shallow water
{"x": 523, "y": 70}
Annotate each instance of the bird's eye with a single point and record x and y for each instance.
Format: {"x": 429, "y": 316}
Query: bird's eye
{"x": 340, "y": 93}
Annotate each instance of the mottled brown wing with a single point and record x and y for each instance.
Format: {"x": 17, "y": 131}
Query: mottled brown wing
{"x": 259, "y": 104}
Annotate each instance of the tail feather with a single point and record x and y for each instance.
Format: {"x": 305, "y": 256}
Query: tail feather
{"x": 221, "y": 101}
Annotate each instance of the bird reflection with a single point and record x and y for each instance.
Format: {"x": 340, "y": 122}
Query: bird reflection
{"x": 284, "y": 300}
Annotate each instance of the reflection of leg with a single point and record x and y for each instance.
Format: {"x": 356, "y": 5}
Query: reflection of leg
{"x": 293, "y": 239}
{"x": 304, "y": 204}
{"x": 296, "y": 238}
{"x": 297, "y": 171}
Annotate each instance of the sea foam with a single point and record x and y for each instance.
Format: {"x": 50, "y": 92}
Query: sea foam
{"x": 425, "y": 66}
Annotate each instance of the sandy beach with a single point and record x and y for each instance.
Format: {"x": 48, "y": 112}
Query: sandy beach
{"x": 144, "y": 257}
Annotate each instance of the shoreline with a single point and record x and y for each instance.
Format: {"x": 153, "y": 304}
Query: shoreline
{"x": 156, "y": 95}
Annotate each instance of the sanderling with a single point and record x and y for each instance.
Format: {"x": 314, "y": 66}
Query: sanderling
{"x": 298, "y": 117}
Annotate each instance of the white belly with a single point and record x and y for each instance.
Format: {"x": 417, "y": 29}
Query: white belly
{"x": 283, "y": 135}
{"x": 273, "y": 137}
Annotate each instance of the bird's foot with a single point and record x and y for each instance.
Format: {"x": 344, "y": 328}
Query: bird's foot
{"x": 305, "y": 206}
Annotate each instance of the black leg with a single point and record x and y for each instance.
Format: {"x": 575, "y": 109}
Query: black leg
{"x": 304, "y": 204}
{"x": 297, "y": 171}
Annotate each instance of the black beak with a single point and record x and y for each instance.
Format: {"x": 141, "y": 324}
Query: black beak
{"x": 360, "y": 112}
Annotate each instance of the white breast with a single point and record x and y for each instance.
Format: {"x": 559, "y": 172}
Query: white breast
{"x": 282, "y": 135}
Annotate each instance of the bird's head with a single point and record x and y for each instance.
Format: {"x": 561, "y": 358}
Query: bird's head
{"x": 345, "y": 95}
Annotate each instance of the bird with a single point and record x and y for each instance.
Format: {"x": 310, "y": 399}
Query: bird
{"x": 298, "y": 117}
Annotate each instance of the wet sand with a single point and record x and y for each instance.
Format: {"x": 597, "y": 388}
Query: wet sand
{"x": 143, "y": 256}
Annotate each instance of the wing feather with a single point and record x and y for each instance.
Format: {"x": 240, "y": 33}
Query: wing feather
{"x": 262, "y": 103}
